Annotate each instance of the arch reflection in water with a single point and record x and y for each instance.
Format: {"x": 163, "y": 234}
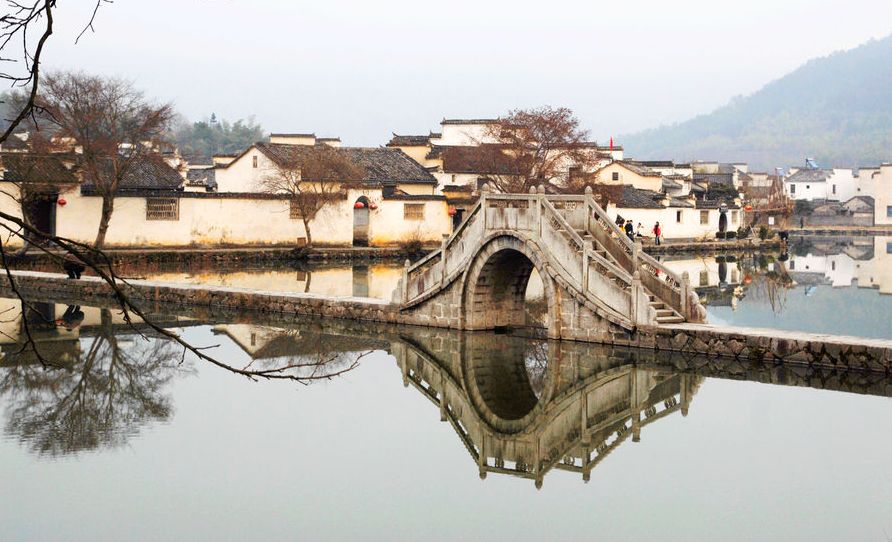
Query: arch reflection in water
{"x": 523, "y": 407}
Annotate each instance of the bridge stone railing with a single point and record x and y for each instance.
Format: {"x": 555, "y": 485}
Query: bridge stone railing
{"x": 555, "y": 222}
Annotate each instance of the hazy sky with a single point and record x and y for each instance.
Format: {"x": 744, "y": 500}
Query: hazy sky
{"x": 364, "y": 69}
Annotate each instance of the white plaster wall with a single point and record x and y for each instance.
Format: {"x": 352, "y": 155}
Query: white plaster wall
{"x": 878, "y": 183}
{"x": 807, "y": 191}
{"x": 248, "y": 222}
{"x": 9, "y": 193}
{"x": 688, "y": 228}
{"x": 464, "y": 134}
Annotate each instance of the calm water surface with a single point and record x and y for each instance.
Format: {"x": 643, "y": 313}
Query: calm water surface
{"x": 440, "y": 436}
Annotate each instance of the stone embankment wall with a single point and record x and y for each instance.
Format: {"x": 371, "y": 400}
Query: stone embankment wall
{"x": 762, "y": 345}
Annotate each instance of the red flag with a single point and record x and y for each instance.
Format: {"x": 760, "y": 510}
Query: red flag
{"x": 611, "y": 143}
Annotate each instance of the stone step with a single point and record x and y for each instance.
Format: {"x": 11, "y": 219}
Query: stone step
{"x": 670, "y": 320}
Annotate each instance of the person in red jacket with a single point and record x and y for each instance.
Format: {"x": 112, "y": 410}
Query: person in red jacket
{"x": 657, "y": 233}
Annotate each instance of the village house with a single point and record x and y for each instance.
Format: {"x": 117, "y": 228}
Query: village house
{"x": 464, "y": 153}
{"x": 819, "y": 185}
{"x": 679, "y": 218}
{"x": 392, "y": 201}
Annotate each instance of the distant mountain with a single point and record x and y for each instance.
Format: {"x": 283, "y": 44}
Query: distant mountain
{"x": 837, "y": 109}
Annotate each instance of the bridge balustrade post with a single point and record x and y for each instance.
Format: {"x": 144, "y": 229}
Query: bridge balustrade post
{"x": 585, "y": 266}
{"x": 633, "y": 303}
{"x": 685, "y": 293}
{"x": 539, "y": 203}
{"x": 589, "y": 209}
{"x": 404, "y": 290}
{"x": 443, "y": 260}
{"x": 636, "y": 249}
{"x": 537, "y": 212}
{"x": 484, "y": 191}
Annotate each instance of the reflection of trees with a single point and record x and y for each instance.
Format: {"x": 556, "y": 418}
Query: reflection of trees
{"x": 536, "y": 362}
{"x": 769, "y": 286}
{"x": 113, "y": 389}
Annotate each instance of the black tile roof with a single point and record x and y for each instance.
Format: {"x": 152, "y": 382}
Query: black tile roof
{"x": 636, "y": 198}
{"x": 714, "y": 178}
{"x": 144, "y": 173}
{"x": 670, "y": 184}
{"x": 378, "y": 164}
{"x": 409, "y": 141}
{"x": 23, "y": 167}
{"x": 809, "y": 175}
{"x": 204, "y": 176}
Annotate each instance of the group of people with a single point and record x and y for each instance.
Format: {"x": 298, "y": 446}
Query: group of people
{"x": 634, "y": 232}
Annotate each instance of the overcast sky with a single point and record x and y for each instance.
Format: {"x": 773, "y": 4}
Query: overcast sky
{"x": 363, "y": 69}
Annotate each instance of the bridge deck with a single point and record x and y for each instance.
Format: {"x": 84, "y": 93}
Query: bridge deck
{"x": 813, "y": 349}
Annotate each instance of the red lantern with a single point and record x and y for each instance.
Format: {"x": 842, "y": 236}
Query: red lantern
{"x": 747, "y": 278}
{"x": 61, "y": 202}
{"x": 358, "y": 205}
{"x": 748, "y": 208}
{"x": 451, "y": 211}
{"x": 373, "y": 206}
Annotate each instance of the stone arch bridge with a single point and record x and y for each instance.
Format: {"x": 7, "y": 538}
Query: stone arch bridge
{"x": 598, "y": 284}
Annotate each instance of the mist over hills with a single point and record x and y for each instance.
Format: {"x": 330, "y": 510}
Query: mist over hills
{"x": 837, "y": 109}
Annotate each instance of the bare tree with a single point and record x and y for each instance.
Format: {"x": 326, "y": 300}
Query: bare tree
{"x": 110, "y": 124}
{"x": 540, "y": 146}
{"x": 21, "y": 19}
{"x": 312, "y": 178}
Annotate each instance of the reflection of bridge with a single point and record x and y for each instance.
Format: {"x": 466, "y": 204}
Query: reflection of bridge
{"x": 597, "y": 282}
{"x": 519, "y": 407}
{"x": 524, "y": 408}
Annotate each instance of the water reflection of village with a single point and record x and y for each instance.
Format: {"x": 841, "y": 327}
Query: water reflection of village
{"x": 519, "y": 407}
{"x": 840, "y": 262}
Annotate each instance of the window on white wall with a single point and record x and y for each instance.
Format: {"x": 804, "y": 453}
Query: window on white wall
{"x": 162, "y": 208}
{"x": 678, "y": 216}
{"x": 704, "y": 217}
{"x": 889, "y": 210}
{"x": 834, "y": 189}
{"x": 254, "y": 161}
{"x": 615, "y": 176}
{"x": 294, "y": 211}
{"x": 792, "y": 188}
{"x": 413, "y": 211}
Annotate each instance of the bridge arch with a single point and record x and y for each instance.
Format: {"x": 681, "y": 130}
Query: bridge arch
{"x": 496, "y": 283}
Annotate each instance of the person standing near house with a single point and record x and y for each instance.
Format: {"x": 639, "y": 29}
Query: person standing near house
{"x": 658, "y": 232}
{"x": 630, "y": 230}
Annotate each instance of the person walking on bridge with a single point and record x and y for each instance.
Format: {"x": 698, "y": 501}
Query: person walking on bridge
{"x": 658, "y": 232}
{"x": 630, "y": 230}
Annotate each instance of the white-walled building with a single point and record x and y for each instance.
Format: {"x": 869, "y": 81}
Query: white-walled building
{"x": 391, "y": 202}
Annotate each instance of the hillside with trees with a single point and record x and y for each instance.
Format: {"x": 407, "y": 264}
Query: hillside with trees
{"x": 836, "y": 109}
{"x": 199, "y": 141}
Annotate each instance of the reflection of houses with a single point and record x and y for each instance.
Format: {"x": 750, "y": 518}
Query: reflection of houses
{"x": 378, "y": 280}
{"x": 269, "y": 343}
{"x": 523, "y": 408}
{"x": 838, "y": 266}
{"x": 716, "y": 279}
